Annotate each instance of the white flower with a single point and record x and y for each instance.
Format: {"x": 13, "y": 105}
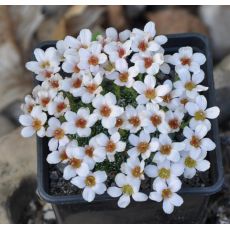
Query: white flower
{"x": 190, "y": 84}
{"x": 29, "y": 104}
{"x": 47, "y": 63}
{"x": 70, "y": 65}
{"x": 57, "y": 131}
{"x": 192, "y": 165}
{"x": 120, "y": 124}
{"x": 109, "y": 146}
{"x": 92, "y": 58}
{"x": 134, "y": 118}
{"x": 92, "y": 87}
{"x": 106, "y": 109}
{"x": 45, "y": 97}
{"x": 76, "y": 164}
{"x": 186, "y": 59}
{"x": 59, "y": 155}
{"x": 80, "y": 123}
{"x": 91, "y": 184}
{"x": 117, "y": 50}
{"x": 113, "y": 35}
{"x": 147, "y": 62}
{"x": 33, "y": 122}
{"x": 91, "y": 156}
{"x": 148, "y": 91}
{"x": 74, "y": 85}
{"x": 126, "y": 187}
{"x": 167, "y": 193}
{"x": 62, "y": 46}
{"x": 195, "y": 143}
{"x": 180, "y": 102}
{"x": 199, "y": 112}
{"x": 124, "y": 76}
{"x": 134, "y": 168}
{"x": 59, "y": 105}
{"x": 165, "y": 171}
{"x": 154, "y": 119}
{"x": 168, "y": 150}
{"x": 142, "y": 41}
{"x": 143, "y": 145}
{"x": 54, "y": 82}
{"x": 174, "y": 120}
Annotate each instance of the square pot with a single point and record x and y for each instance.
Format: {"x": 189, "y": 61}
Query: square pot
{"x": 73, "y": 209}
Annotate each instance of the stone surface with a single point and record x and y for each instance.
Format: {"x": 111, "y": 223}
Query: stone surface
{"x": 217, "y": 19}
{"x": 17, "y": 161}
{"x": 222, "y": 85}
{"x": 6, "y": 125}
{"x": 116, "y": 17}
{"x": 172, "y": 20}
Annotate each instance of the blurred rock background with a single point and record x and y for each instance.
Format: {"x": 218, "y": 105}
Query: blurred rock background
{"x": 23, "y": 27}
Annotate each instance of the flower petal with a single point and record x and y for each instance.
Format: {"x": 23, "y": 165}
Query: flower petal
{"x": 114, "y": 191}
{"x": 88, "y": 194}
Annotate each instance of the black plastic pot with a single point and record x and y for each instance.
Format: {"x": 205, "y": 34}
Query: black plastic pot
{"x": 73, "y": 209}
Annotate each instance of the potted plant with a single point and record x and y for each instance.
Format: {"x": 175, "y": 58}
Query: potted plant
{"x": 123, "y": 120}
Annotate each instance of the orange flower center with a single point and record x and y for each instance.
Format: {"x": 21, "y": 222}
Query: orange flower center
{"x": 91, "y": 88}
{"x": 63, "y": 156}
{"x": 136, "y": 171}
{"x": 59, "y": 133}
{"x": 119, "y": 122}
{"x": 90, "y": 181}
{"x": 185, "y": 61}
{"x": 47, "y": 74}
{"x": 184, "y": 101}
{"x": 45, "y": 101}
{"x": 45, "y": 64}
{"x": 93, "y": 60}
{"x": 105, "y": 111}
{"x": 165, "y": 149}
{"x": 143, "y": 46}
{"x": 200, "y": 116}
{"x": 37, "y": 124}
{"x": 155, "y": 119}
{"x": 143, "y": 147}
{"x": 150, "y": 94}
{"x": 81, "y": 123}
{"x": 123, "y": 77}
{"x": 189, "y": 85}
{"x": 135, "y": 121}
{"x": 76, "y": 69}
{"x": 121, "y": 52}
{"x": 174, "y": 123}
{"x": 110, "y": 147}
{"x": 77, "y": 83}
{"x": 189, "y": 162}
{"x": 75, "y": 163}
{"x": 148, "y": 62}
{"x": 195, "y": 141}
{"x": 166, "y": 193}
{"x": 54, "y": 84}
{"x": 30, "y": 108}
{"x": 61, "y": 106}
{"x": 89, "y": 151}
{"x": 167, "y": 98}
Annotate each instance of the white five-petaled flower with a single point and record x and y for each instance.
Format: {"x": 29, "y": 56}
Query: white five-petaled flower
{"x": 186, "y": 59}
{"x": 168, "y": 149}
{"x": 165, "y": 171}
{"x": 174, "y": 120}
{"x": 195, "y": 143}
{"x": 148, "y": 92}
{"x": 113, "y": 36}
{"x": 106, "y": 109}
{"x": 189, "y": 84}
{"x": 46, "y": 65}
{"x": 74, "y": 85}
{"x": 109, "y": 145}
{"x": 134, "y": 168}
{"x": 120, "y": 124}
{"x": 167, "y": 193}
{"x": 57, "y": 131}
{"x": 179, "y": 103}
{"x": 134, "y": 118}
{"x": 70, "y": 65}
{"x": 80, "y": 123}
{"x": 76, "y": 164}
{"x": 192, "y": 165}
{"x": 54, "y": 82}
{"x": 143, "y": 145}
{"x": 92, "y": 58}
{"x": 147, "y": 62}
{"x": 91, "y": 156}
{"x": 62, "y": 46}
{"x": 124, "y": 76}
{"x": 127, "y": 187}
{"x": 92, "y": 87}
{"x": 59, "y": 105}
{"x": 29, "y": 104}
{"x": 199, "y": 112}
{"x": 154, "y": 119}
{"x": 92, "y": 184}
{"x": 33, "y": 122}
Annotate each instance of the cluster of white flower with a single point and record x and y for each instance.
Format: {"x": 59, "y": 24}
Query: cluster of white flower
{"x": 102, "y": 104}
